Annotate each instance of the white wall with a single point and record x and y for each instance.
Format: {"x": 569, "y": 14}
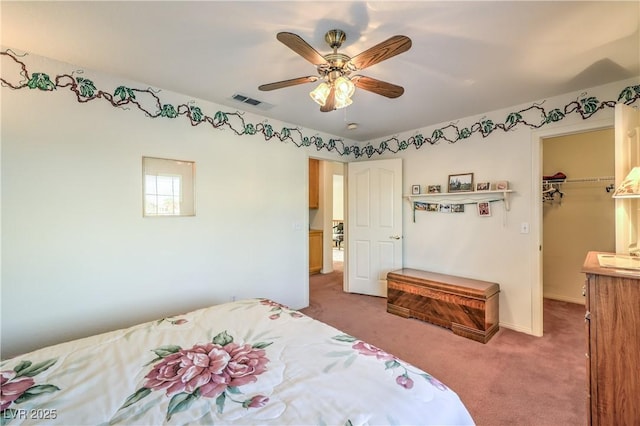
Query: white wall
{"x": 78, "y": 257}
{"x": 489, "y": 248}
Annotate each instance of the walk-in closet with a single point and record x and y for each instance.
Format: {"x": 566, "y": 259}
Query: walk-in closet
{"x": 578, "y": 209}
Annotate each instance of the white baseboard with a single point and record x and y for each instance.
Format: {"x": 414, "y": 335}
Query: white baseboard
{"x": 519, "y": 329}
{"x": 562, "y": 298}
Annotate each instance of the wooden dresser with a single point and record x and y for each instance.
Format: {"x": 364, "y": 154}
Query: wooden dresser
{"x": 613, "y": 344}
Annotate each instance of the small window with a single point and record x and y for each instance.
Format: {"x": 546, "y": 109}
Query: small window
{"x": 168, "y": 187}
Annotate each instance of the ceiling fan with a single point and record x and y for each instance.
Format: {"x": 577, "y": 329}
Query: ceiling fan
{"x": 335, "y": 69}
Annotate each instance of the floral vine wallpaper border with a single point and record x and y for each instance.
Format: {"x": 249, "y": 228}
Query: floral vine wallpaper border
{"x": 534, "y": 116}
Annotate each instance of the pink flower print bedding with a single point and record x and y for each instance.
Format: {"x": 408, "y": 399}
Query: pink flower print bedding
{"x": 250, "y": 362}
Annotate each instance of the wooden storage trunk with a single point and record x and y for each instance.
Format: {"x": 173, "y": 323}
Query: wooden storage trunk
{"x": 466, "y": 306}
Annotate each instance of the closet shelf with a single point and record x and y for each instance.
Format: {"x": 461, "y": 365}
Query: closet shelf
{"x": 584, "y": 179}
{"x": 552, "y": 187}
{"x": 591, "y": 179}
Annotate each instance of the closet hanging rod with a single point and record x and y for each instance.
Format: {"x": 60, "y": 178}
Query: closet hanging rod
{"x": 586, "y": 179}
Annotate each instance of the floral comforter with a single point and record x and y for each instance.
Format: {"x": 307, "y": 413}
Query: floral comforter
{"x": 246, "y": 362}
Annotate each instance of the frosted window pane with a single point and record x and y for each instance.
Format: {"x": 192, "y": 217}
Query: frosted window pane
{"x": 168, "y": 187}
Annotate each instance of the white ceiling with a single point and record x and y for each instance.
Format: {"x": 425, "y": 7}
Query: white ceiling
{"x": 467, "y": 58}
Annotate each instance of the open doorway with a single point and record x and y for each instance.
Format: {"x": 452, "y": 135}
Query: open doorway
{"x": 537, "y": 248}
{"x": 327, "y": 230}
{"x": 578, "y": 213}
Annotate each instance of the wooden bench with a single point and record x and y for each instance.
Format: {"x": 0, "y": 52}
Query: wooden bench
{"x": 466, "y": 306}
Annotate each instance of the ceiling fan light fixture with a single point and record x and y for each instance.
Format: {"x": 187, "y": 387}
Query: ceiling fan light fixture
{"x": 341, "y": 102}
{"x": 344, "y": 89}
{"x": 320, "y": 93}
{"x": 344, "y": 86}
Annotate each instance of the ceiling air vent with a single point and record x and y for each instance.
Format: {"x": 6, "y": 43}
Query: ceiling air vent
{"x": 250, "y": 101}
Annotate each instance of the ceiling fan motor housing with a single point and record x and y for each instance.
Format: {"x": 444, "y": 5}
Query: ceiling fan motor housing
{"x": 336, "y": 66}
{"x": 335, "y": 38}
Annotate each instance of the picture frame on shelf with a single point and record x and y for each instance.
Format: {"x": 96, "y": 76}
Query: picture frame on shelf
{"x": 483, "y": 186}
{"x": 484, "y": 208}
{"x": 462, "y": 182}
{"x": 502, "y": 185}
{"x": 415, "y": 189}
{"x": 433, "y": 189}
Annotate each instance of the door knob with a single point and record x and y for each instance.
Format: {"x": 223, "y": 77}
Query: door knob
{"x": 395, "y": 237}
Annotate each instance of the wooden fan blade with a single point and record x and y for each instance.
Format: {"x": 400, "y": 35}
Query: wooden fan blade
{"x": 301, "y": 47}
{"x": 287, "y": 83}
{"x": 330, "y": 105}
{"x": 377, "y": 86}
{"x": 385, "y": 50}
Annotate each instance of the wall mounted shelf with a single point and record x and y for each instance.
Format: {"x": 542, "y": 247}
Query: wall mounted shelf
{"x": 470, "y": 197}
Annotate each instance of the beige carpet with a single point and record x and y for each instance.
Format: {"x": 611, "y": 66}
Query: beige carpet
{"x": 514, "y": 379}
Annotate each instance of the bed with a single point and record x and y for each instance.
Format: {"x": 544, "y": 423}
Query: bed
{"x": 251, "y": 361}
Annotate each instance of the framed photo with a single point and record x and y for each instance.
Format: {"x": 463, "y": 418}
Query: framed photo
{"x": 483, "y": 186}
{"x": 433, "y": 189}
{"x": 461, "y": 183}
{"x": 484, "y": 208}
{"x": 415, "y": 189}
{"x": 457, "y": 208}
{"x": 168, "y": 187}
{"x": 417, "y": 205}
{"x": 445, "y": 208}
{"x": 433, "y": 207}
{"x": 501, "y": 185}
